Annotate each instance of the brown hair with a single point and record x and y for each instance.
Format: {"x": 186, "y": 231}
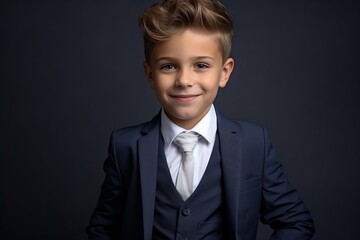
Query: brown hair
{"x": 163, "y": 20}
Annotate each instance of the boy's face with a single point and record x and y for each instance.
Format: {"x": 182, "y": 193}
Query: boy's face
{"x": 186, "y": 72}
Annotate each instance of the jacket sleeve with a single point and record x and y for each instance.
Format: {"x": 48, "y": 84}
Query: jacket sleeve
{"x": 106, "y": 220}
{"x": 282, "y": 208}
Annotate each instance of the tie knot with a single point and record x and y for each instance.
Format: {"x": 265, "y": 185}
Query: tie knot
{"x": 187, "y": 141}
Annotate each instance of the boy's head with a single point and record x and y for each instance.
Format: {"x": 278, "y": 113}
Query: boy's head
{"x": 163, "y": 20}
{"x": 187, "y": 47}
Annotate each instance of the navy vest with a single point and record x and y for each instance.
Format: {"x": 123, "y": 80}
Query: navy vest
{"x": 201, "y": 216}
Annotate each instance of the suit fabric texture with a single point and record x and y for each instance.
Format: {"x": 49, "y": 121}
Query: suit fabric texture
{"x": 254, "y": 185}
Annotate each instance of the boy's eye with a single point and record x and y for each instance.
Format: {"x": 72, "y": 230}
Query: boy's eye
{"x": 168, "y": 67}
{"x": 201, "y": 66}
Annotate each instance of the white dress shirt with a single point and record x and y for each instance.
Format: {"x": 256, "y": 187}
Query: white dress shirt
{"x": 206, "y": 128}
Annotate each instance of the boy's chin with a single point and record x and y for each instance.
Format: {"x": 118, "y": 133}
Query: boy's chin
{"x": 185, "y": 119}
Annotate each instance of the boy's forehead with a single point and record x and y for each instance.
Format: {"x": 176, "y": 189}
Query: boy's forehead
{"x": 189, "y": 42}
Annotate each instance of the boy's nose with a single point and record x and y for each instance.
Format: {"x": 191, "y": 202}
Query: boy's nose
{"x": 184, "y": 78}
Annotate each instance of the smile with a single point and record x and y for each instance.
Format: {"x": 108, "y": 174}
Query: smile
{"x": 185, "y": 98}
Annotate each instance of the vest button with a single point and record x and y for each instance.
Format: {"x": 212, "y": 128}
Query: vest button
{"x": 186, "y": 212}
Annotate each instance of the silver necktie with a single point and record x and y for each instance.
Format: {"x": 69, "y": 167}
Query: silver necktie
{"x": 184, "y": 182}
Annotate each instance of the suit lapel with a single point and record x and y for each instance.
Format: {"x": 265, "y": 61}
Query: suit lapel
{"x": 148, "y": 158}
{"x": 230, "y": 147}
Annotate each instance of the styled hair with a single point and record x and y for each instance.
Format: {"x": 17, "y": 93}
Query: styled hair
{"x": 161, "y": 21}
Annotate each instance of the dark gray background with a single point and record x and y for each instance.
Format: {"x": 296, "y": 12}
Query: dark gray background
{"x": 71, "y": 71}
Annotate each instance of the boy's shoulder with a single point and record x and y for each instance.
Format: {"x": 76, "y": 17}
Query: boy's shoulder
{"x": 137, "y": 130}
{"x": 249, "y": 134}
{"x": 131, "y": 134}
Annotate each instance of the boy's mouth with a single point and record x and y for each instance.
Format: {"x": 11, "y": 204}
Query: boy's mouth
{"x": 185, "y": 98}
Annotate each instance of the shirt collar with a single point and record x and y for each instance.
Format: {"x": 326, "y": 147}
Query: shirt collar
{"x": 207, "y": 127}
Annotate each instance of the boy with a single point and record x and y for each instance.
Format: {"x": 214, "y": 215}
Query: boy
{"x": 190, "y": 173}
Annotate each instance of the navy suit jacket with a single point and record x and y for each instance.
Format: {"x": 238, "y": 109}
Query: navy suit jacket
{"x": 254, "y": 185}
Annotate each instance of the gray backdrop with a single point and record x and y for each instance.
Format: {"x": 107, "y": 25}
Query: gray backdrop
{"x": 71, "y": 71}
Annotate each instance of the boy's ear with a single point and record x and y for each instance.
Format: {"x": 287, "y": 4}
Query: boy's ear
{"x": 226, "y": 72}
{"x": 148, "y": 74}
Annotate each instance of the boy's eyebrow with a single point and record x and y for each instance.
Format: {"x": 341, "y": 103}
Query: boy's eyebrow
{"x": 174, "y": 59}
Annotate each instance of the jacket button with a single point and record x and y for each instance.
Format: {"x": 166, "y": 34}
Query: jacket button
{"x": 186, "y": 212}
